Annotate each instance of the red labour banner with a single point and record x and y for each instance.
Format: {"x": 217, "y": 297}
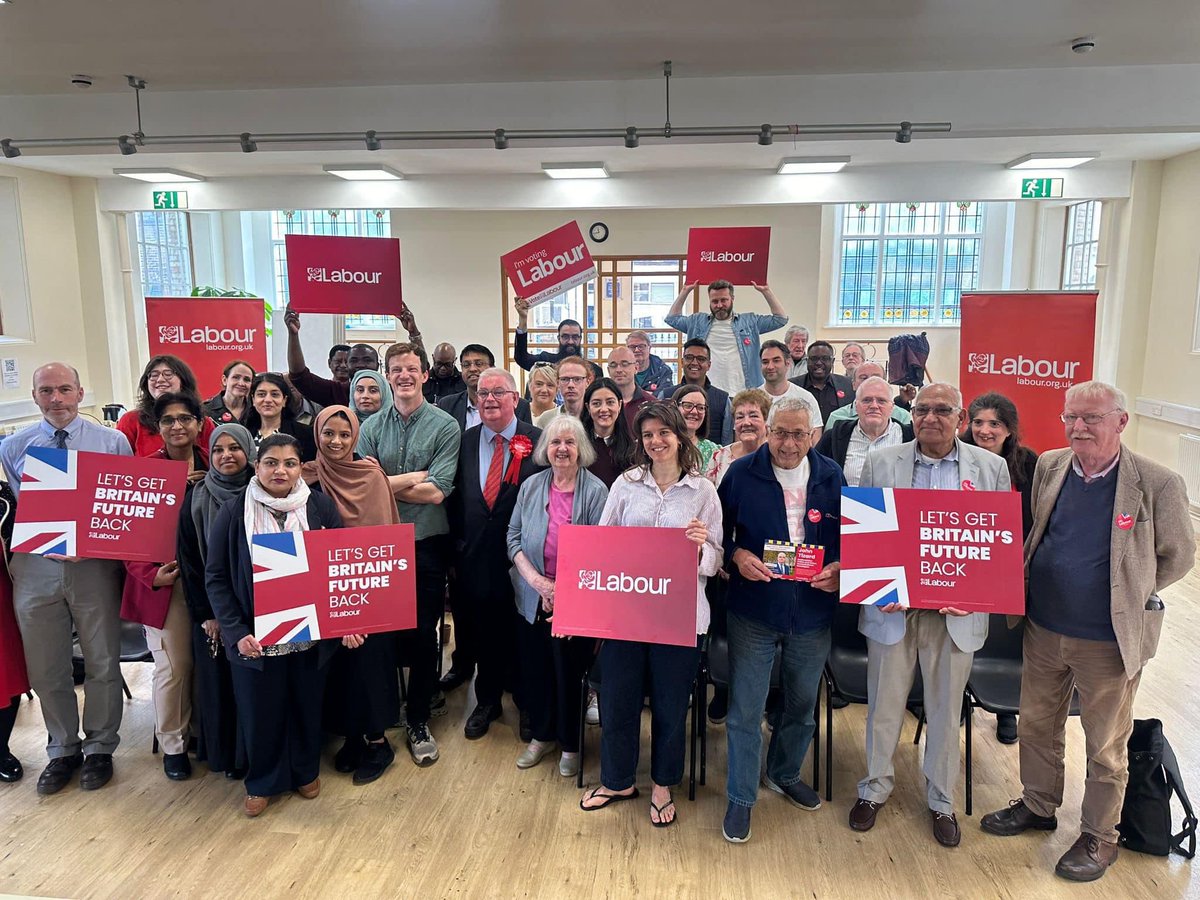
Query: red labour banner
{"x": 208, "y": 334}
{"x": 99, "y": 505}
{"x": 929, "y": 549}
{"x": 310, "y": 585}
{"x": 1030, "y": 347}
{"x": 545, "y": 267}
{"x": 737, "y": 255}
{"x": 357, "y": 275}
{"x": 628, "y": 584}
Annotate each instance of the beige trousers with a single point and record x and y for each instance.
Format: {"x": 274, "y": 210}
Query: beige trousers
{"x": 171, "y": 647}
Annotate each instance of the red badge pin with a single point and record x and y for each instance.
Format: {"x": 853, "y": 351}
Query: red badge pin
{"x": 746, "y": 341}
{"x": 814, "y": 516}
{"x": 1124, "y": 522}
{"x": 841, "y": 394}
{"x": 968, "y": 484}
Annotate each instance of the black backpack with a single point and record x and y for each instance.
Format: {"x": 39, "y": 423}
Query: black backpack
{"x": 1145, "y": 824}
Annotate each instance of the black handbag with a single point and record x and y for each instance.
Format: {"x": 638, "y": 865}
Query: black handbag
{"x": 1145, "y": 824}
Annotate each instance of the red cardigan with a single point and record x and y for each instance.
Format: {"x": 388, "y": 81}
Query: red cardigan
{"x": 146, "y": 442}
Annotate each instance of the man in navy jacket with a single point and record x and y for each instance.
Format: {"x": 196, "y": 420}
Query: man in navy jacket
{"x": 785, "y": 491}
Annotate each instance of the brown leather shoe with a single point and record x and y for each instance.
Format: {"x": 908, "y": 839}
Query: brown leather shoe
{"x": 253, "y": 806}
{"x": 310, "y": 790}
{"x": 1087, "y": 859}
{"x": 862, "y": 814}
{"x": 1015, "y": 819}
{"x": 945, "y": 828}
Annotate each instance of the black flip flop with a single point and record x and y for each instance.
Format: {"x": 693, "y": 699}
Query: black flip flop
{"x": 611, "y": 799}
{"x": 660, "y": 810}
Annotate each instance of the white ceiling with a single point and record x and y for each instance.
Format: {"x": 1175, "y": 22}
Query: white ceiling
{"x": 232, "y": 44}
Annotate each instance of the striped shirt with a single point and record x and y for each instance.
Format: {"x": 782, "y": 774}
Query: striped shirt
{"x": 936, "y": 474}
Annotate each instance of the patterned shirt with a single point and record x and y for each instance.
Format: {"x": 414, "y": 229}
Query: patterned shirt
{"x": 936, "y": 474}
{"x": 860, "y": 445}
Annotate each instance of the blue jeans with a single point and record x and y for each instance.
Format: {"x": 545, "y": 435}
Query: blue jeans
{"x": 751, "y": 657}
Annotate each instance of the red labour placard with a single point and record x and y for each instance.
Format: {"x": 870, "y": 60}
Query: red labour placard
{"x": 737, "y": 255}
{"x": 357, "y": 275}
{"x": 933, "y": 549}
{"x": 310, "y": 585}
{"x": 99, "y": 505}
{"x": 208, "y": 334}
{"x": 1030, "y": 347}
{"x": 545, "y": 267}
{"x": 628, "y": 584}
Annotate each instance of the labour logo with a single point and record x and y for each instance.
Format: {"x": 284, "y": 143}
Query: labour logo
{"x": 170, "y": 334}
{"x": 1124, "y": 522}
{"x": 978, "y": 362}
{"x": 589, "y": 580}
{"x": 314, "y": 273}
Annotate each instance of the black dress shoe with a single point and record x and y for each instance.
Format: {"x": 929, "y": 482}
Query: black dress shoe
{"x": 375, "y": 760}
{"x": 57, "y": 775}
{"x": 1006, "y": 728}
{"x": 176, "y": 766}
{"x": 483, "y": 716}
{"x": 453, "y": 679}
{"x": 235, "y": 774}
{"x": 1016, "y": 818}
{"x": 97, "y": 771}
{"x": 10, "y": 768}
{"x": 348, "y": 758}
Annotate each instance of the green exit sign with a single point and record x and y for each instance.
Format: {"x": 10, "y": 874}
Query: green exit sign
{"x": 172, "y": 199}
{"x": 1041, "y": 188}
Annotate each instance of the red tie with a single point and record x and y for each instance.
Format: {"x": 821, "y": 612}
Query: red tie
{"x": 491, "y": 488}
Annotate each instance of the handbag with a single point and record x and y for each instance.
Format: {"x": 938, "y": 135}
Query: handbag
{"x": 1154, "y": 777}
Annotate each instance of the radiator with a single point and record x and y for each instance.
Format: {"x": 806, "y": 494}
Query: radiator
{"x": 1189, "y": 467}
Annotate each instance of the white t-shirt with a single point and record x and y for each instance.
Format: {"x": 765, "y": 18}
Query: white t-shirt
{"x": 726, "y": 372}
{"x": 795, "y": 392}
{"x": 795, "y": 497}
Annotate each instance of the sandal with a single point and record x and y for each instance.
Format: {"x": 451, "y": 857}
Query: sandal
{"x": 610, "y": 799}
{"x": 660, "y": 810}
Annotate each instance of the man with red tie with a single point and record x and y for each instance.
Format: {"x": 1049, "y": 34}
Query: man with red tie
{"x": 494, "y": 458}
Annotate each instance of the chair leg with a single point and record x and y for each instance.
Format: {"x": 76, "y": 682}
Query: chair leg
{"x": 695, "y": 736}
{"x": 704, "y": 730}
{"x": 920, "y": 728}
{"x": 125, "y": 688}
{"x": 441, "y": 641}
{"x": 828, "y": 740}
{"x": 29, "y": 694}
{"x": 583, "y": 695}
{"x": 403, "y": 687}
{"x": 154, "y": 745}
{"x": 970, "y": 716}
{"x": 816, "y": 745}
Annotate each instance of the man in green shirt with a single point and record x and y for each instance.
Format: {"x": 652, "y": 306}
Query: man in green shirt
{"x": 861, "y": 374}
{"x": 418, "y": 442}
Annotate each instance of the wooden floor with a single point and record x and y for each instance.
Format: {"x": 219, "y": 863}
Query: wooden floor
{"x": 473, "y": 825}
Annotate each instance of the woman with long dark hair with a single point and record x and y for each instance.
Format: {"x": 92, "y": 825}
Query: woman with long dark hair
{"x": 692, "y": 401}
{"x": 164, "y": 374}
{"x": 270, "y": 411}
{"x": 664, "y": 489}
{"x": 603, "y": 418}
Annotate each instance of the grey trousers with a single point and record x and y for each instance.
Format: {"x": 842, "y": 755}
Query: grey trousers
{"x": 891, "y": 669}
{"x": 48, "y": 597}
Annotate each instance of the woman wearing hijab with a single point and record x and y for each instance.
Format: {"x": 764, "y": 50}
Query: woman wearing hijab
{"x": 369, "y": 393}
{"x": 231, "y": 456}
{"x": 363, "y": 697}
{"x": 278, "y": 687}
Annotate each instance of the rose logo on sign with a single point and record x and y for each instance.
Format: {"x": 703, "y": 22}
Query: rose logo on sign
{"x": 978, "y": 362}
{"x": 589, "y": 580}
{"x": 170, "y": 334}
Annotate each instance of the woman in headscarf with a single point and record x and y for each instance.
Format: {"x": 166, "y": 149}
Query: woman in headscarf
{"x": 369, "y": 393}
{"x": 231, "y": 457}
{"x": 363, "y": 695}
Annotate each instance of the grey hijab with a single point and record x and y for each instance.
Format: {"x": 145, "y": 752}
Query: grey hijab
{"x": 209, "y": 495}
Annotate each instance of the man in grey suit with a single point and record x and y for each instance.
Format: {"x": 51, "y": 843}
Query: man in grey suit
{"x": 943, "y": 641}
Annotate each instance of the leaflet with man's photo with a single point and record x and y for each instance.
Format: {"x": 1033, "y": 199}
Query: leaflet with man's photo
{"x": 792, "y": 561}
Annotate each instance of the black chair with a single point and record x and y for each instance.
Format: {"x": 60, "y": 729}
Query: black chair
{"x": 716, "y": 672}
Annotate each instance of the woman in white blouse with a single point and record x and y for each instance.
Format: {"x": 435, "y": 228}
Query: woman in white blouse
{"x": 663, "y": 489}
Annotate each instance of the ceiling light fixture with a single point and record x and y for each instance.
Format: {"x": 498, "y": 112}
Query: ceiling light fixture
{"x": 812, "y": 165}
{"x": 1065, "y": 160}
{"x": 368, "y": 172}
{"x": 160, "y": 176}
{"x": 126, "y": 145}
{"x": 576, "y": 170}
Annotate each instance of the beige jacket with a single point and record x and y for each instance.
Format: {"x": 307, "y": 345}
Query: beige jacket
{"x": 1157, "y": 551}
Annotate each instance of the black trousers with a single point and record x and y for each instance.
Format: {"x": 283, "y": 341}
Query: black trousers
{"x": 629, "y": 669}
{"x": 488, "y": 622}
{"x": 418, "y": 648}
{"x": 362, "y": 695}
{"x": 8, "y": 718}
{"x": 279, "y": 710}
{"x": 462, "y": 659}
{"x": 551, "y": 669}
{"x": 220, "y": 743}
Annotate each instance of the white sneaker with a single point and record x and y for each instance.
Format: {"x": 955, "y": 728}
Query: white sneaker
{"x": 534, "y": 754}
{"x": 421, "y": 745}
{"x": 592, "y": 716}
{"x": 568, "y": 765}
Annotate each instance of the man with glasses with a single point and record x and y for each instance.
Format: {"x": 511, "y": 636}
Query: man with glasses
{"x": 942, "y": 641}
{"x": 1110, "y": 531}
{"x": 574, "y": 377}
{"x": 464, "y": 406}
{"x": 784, "y": 489}
{"x": 621, "y": 369}
{"x": 774, "y": 367}
{"x": 853, "y": 356}
{"x": 445, "y": 380}
{"x": 495, "y": 457}
{"x": 653, "y": 375}
{"x": 848, "y": 441}
{"x": 831, "y": 390}
{"x": 849, "y": 411}
{"x": 697, "y": 359}
{"x": 570, "y": 341}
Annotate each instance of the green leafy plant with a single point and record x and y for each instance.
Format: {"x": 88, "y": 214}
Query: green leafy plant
{"x": 207, "y": 290}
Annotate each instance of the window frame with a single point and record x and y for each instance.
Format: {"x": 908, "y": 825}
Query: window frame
{"x": 139, "y": 245}
{"x": 1096, "y": 212}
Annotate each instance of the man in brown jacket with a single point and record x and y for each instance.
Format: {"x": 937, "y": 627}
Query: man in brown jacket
{"x": 1110, "y": 530}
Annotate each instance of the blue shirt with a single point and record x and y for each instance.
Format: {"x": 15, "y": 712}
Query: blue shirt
{"x": 81, "y": 435}
{"x": 746, "y": 330}
{"x": 487, "y": 448}
{"x": 936, "y": 474}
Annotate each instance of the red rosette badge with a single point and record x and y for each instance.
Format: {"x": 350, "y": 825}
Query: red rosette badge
{"x": 519, "y": 448}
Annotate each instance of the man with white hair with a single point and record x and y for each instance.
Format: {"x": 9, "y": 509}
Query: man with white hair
{"x": 1111, "y": 530}
{"x": 849, "y": 411}
{"x": 849, "y": 441}
{"x": 653, "y": 375}
{"x": 942, "y": 641}
{"x": 853, "y": 356}
{"x": 796, "y": 339}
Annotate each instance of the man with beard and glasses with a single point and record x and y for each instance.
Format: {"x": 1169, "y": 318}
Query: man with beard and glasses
{"x": 570, "y": 342}
{"x": 696, "y": 361}
{"x": 830, "y": 390}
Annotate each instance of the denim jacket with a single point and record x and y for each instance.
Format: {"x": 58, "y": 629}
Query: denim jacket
{"x": 746, "y": 328}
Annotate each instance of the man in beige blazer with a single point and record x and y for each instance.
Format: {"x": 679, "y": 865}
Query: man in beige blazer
{"x": 1110, "y": 530}
{"x": 942, "y": 641}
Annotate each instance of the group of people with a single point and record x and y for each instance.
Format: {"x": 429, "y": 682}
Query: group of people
{"x": 752, "y": 445}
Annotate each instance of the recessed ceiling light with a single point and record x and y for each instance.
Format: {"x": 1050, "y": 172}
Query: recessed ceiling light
{"x": 812, "y": 165}
{"x": 575, "y": 170}
{"x": 159, "y": 176}
{"x": 1066, "y": 160}
{"x": 368, "y": 172}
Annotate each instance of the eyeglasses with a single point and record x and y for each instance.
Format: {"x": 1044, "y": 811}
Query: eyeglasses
{"x": 498, "y": 394}
{"x": 571, "y": 379}
{"x": 784, "y": 436}
{"x": 694, "y": 358}
{"x": 873, "y": 401}
{"x": 689, "y": 406}
{"x": 822, "y": 358}
{"x": 1092, "y": 419}
{"x": 942, "y": 412}
{"x": 161, "y": 375}
{"x": 172, "y": 421}
{"x": 621, "y": 365}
